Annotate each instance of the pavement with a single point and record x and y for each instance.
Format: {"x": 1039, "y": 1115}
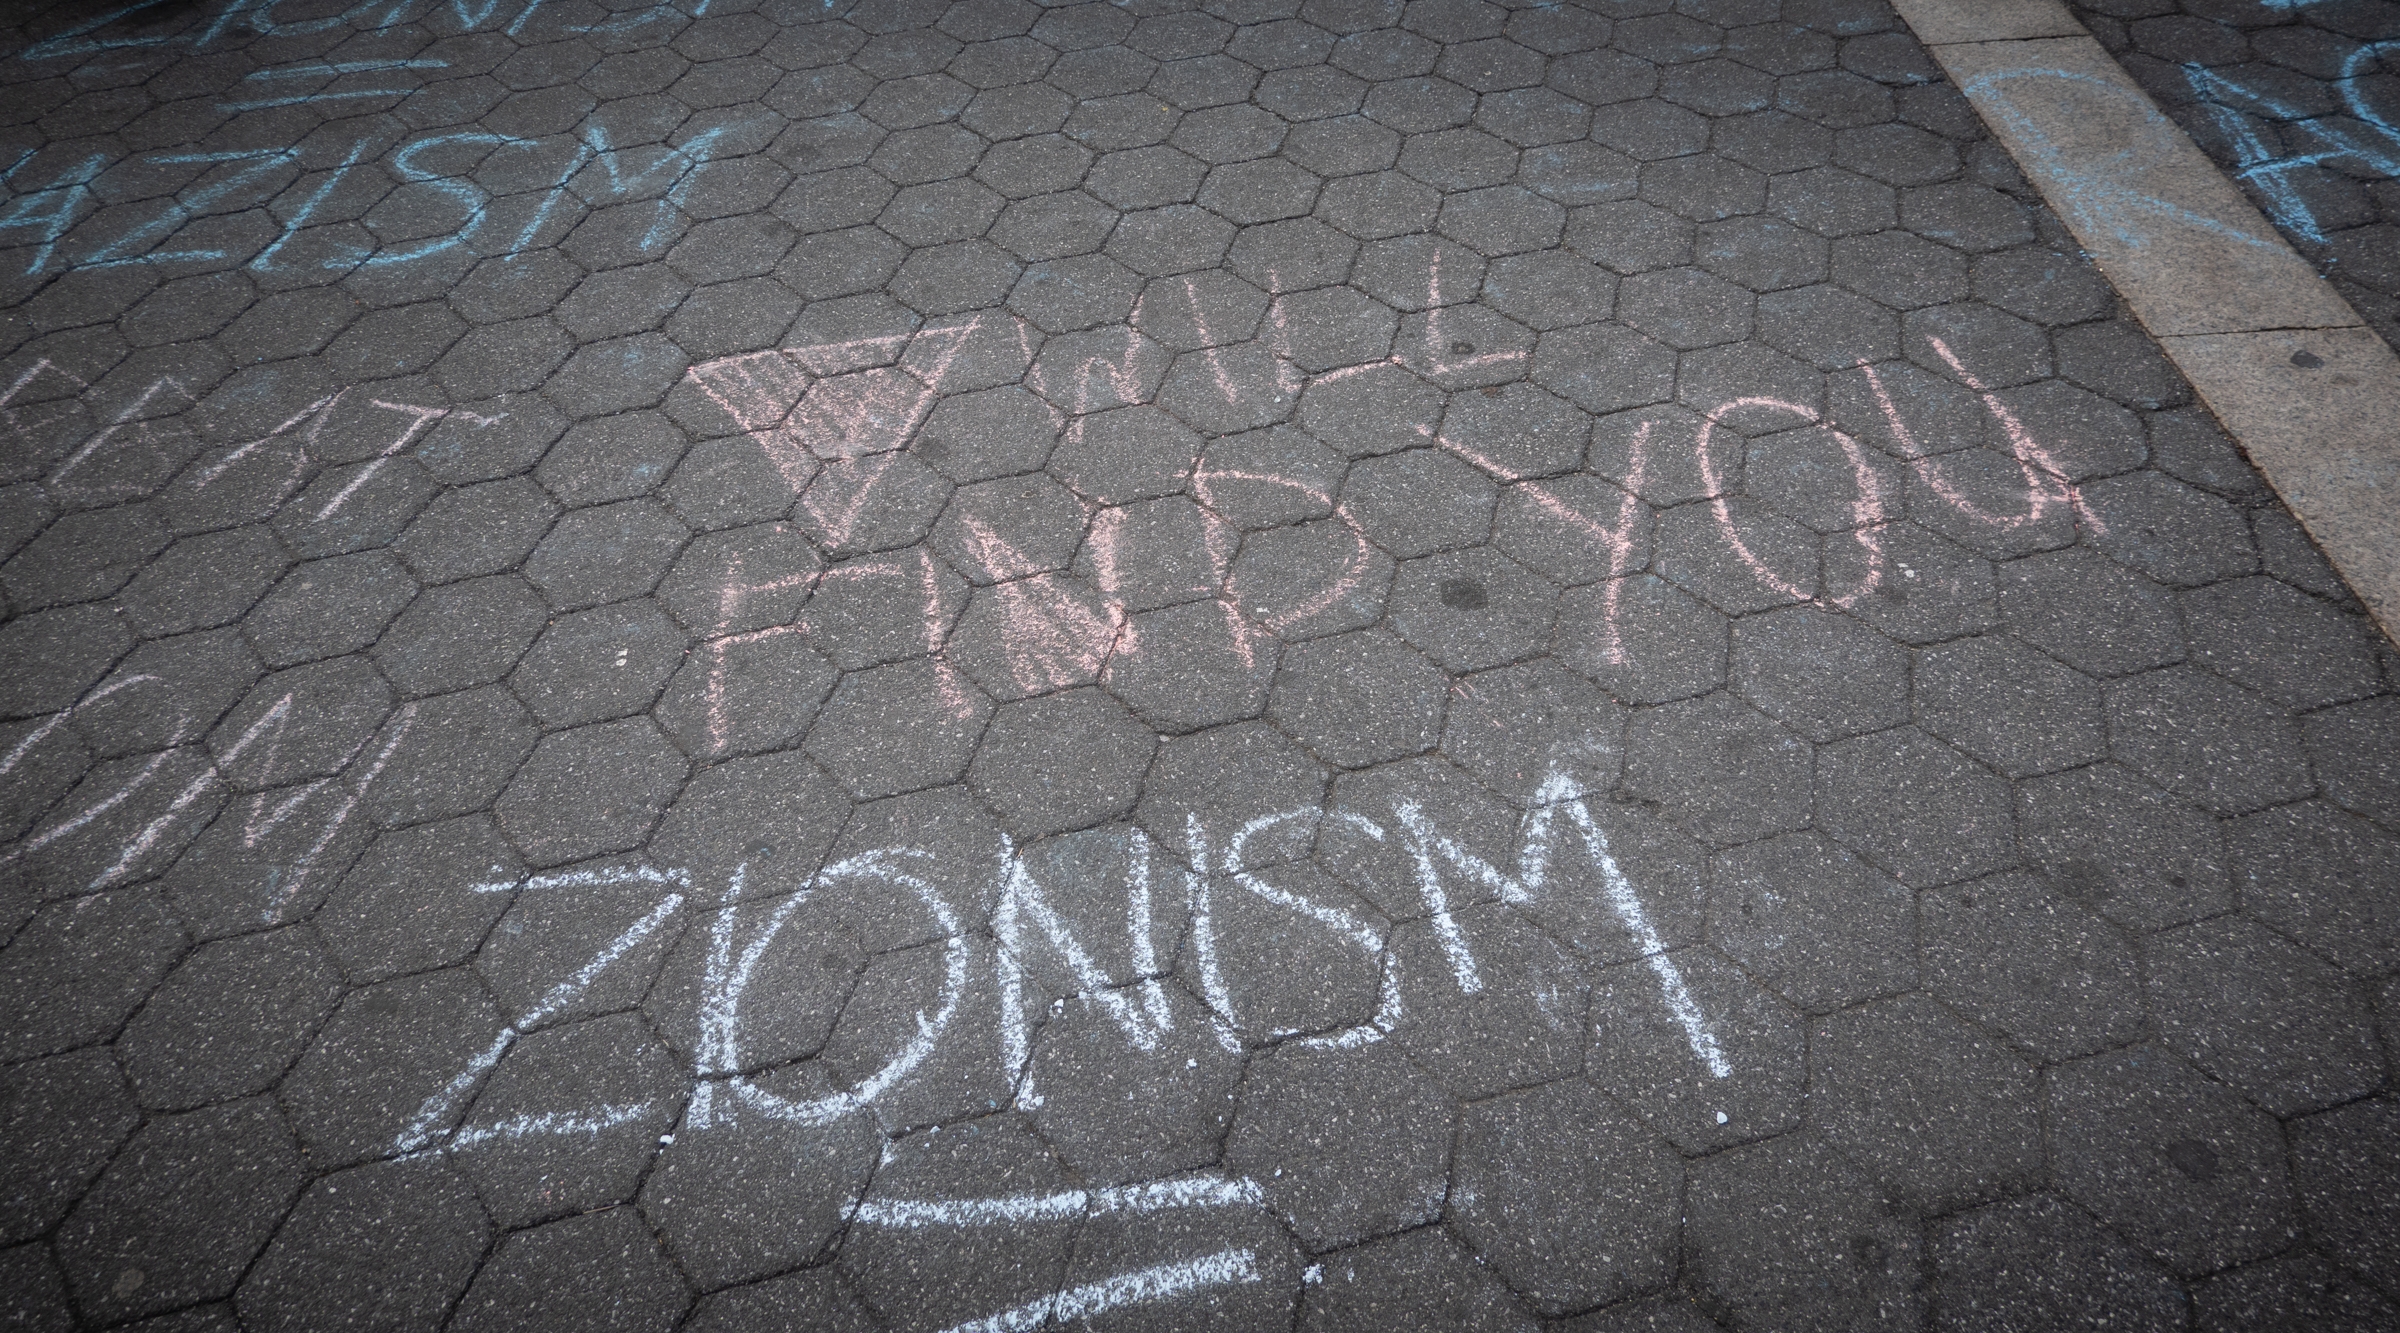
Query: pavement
{"x": 1317, "y": 664}
{"x": 2304, "y": 386}
{"x": 2297, "y": 106}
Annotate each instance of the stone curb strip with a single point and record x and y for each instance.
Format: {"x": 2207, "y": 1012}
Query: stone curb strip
{"x": 2294, "y": 374}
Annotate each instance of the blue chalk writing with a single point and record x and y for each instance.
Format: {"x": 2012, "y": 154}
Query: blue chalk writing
{"x": 328, "y": 71}
{"x": 262, "y": 18}
{"x": 52, "y": 215}
{"x": 138, "y": 245}
{"x": 307, "y": 209}
{"x": 304, "y": 98}
{"x": 629, "y": 21}
{"x": 99, "y": 33}
{"x": 469, "y": 195}
{"x": 72, "y": 43}
{"x": 667, "y": 169}
{"x": 2269, "y": 171}
{"x": 2352, "y": 84}
{"x": 556, "y": 195}
{"x": 49, "y": 211}
{"x": 2097, "y": 192}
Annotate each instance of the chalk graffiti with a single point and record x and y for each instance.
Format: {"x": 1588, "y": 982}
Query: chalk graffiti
{"x": 238, "y": 19}
{"x": 2103, "y": 194}
{"x": 145, "y": 818}
{"x": 1008, "y": 940}
{"x": 427, "y": 184}
{"x": 991, "y": 954}
{"x": 1026, "y": 927}
{"x": 2364, "y": 142}
{"x": 343, "y": 201}
{"x": 839, "y": 420}
{"x": 1139, "y": 1287}
{"x": 2274, "y": 144}
{"x": 1230, "y": 1266}
{"x": 836, "y": 420}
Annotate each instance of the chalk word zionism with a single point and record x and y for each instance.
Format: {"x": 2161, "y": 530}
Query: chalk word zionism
{"x": 993, "y": 936}
{"x": 1027, "y": 930}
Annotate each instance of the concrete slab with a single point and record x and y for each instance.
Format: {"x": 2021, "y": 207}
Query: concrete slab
{"x": 1939, "y": 22}
{"x": 2178, "y": 239}
{"x": 2218, "y": 78}
{"x": 2319, "y": 413}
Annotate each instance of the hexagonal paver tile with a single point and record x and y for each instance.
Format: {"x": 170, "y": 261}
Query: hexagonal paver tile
{"x": 1516, "y": 431}
{"x": 1191, "y": 666}
{"x": 1938, "y": 1113}
{"x": 899, "y": 728}
{"x": 2261, "y": 1014}
{"x": 2207, "y": 739}
{"x": 1312, "y": 579}
{"x": 1372, "y": 410}
{"x": 1814, "y": 923}
{"x": 2182, "y": 1166}
{"x": 2031, "y": 965}
{"x": 1358, "y": 698}
{"x": 1820, "y": 673}
{"x": 1568, "y": 1236}
{"x": 2127, "y": 850}
{"x": 1725, "y": 769}
{"x": 2009, "y": 706}
{"x": 1419, "y": 1280}
{"x": 233, "y": 1164}
{"x": 2037, "y": 1261}
{"x": 1726, "y": 1071}
{"x": 1472, "y": 609}
{"x": 1915, "y": 805}
{"x": 1060, "y": 762}
{"x": 2315, "y": 874}
{"x": 1789, "y": 1230}
{"x": 1088, "y": 1069}
{"x": 1643, "y": 639}
{"x": 1362, "y": 1138}
{"x": 2277, "y": 640}
{"x": 1331, "y": 327}
{"x": 2337, "y": 1159}
{"x": 1419, "y": 501}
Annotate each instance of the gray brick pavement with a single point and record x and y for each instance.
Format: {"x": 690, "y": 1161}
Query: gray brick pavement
{"x": 1333, "y": 665}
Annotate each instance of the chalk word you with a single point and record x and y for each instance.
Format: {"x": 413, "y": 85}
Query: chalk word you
{"x": 842, "y": 422}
